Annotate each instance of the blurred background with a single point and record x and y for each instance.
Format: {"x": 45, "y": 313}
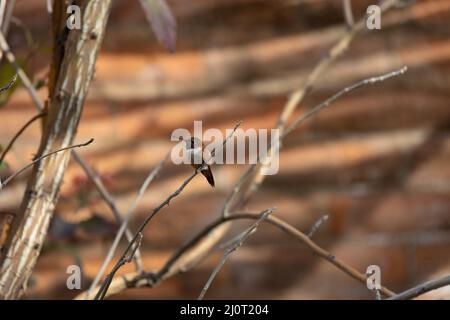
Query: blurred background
{"x": 376, "y": 161}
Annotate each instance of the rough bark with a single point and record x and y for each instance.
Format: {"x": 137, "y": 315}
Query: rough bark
{"x": 73, "y": 67}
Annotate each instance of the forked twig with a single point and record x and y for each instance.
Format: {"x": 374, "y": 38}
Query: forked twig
{"x": 252, "y": 177}
{"x": 107, "y": 197}
{"x": 124, "y": 224}
{"x": 22, "y": 75}
{"x": 346, "y": 90}
{"x": 87, "y": 169}
{"x": 250, "y": 173}
{"x": 238, "y": 242}
{"x": 104, "y": 288}
{"x": 17, "y": 135}
{"x": 16, "y": 173}
{"x": 135, "y": 280}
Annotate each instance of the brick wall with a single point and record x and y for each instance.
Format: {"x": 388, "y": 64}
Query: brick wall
{"x": 377, "y": 161}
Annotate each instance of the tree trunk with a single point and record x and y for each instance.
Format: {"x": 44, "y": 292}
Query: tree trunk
{"x": 73, "y": 66}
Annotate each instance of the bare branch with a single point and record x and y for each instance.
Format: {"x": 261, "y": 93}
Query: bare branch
{"x": 2, "y": 12}
{"x": 9, "y": 84}
{"x": 7, "y": 13}
{"x": 17, "y": 135}
{"x": 355, "y": 274}
{"x": 250, "y": 173}
{"x": 124, "y": 224}
{"x": 253, "y": 178}
{"x": 87, "y": 169}
{"x": 422, "y": 288}
{"x": 346, "y": 90}
{"x": 25, "y": 80}
{"x": 16, "y": 173}
{"x": 317, "y": 225}
{"x": 249, "y": 182}
{"x": 377, "y": 294}
{"x": 304, "y": 239}
{"x": 49, "y": 6}
{"x": 135, "y": 280}
{"x": 137, "y": 244}
{"x": 238, "y": 242}
{"x": 104, "y": 288}
{"x": 70, "y": 77}
{"x": 101, "y": 293}
{"x": 348, "y": 13}
{"x": 107, "y": 197}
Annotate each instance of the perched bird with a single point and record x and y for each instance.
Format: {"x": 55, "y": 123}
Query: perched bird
{"x": 196, "y": 150}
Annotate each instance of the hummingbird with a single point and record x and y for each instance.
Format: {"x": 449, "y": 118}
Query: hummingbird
{"x": 196, "y": 149}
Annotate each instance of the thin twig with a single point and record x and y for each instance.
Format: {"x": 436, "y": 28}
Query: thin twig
{"x": 104, "y": 288}
{"x": 377, "y": 294}
{"x": 9, "y": 84}
{"x": 22, "y": 75}
{"x": 250, "y": 173}
{"x": 137, "y": 244}
{"x": 71, "y": 75}
{"x": 238, "y": 242}
{"x": 107, "y": 197}
{"x": 102, "y": 292}
{"x": 346, "y": 90}
{"x": 154, "y": 172}
{"x": 16, "y": 173}
{"x": 348, "y": 13}
{"x": 2, "y": 11}
{"x": 252, "y": 178}
{"x": 17, "y": 135}
{"x": 89, "y": 172}
{"x": 300, "y": 236}
{"x": 7, "y": 16}
{"x": 422, "y": 288}
{"x": 317, "y": 225}
{"x": 295, "y": 98}
{"x": 135, "y": 280}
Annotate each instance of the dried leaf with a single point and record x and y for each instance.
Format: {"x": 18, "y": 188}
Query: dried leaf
{"x": 162, "y": 21}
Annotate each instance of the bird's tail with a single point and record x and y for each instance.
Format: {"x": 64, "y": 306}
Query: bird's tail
{"x": 209, "y": 176}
